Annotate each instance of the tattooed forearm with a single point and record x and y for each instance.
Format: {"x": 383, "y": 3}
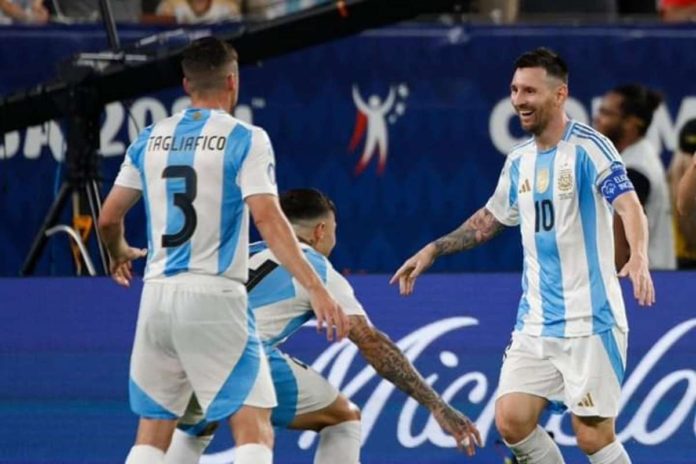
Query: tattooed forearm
{"x": 479, "y": 228}
{"x": 391, "y": 364}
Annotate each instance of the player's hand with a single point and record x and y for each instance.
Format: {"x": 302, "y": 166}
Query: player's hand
{"x": 327, "y": 311}
{"x": 462, "y": 429}
{"x": 412, "y": 268}
{"x": 636, "y": 269}
{"x": 122, "y": 264}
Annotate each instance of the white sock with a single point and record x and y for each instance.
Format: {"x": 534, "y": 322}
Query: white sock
{"x": 537, "y": 448}
{"x": 253, "y": 453}
{"x": 185, "y": 448}
{"x": 613, "y": 453}
{"x": 339, "y": 444}
{"x": 145, "y": 454}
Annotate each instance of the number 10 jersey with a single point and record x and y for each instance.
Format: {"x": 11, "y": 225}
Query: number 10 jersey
{"x": 561, "y": 198}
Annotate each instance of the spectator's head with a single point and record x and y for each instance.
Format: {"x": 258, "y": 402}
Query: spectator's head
{"x": 539, "y": 88}
{"x": 687, "y": 137}
{"x": 313, "y": 216}
{"x": 211, "y": 72}
{"x": 626, "y": 112}
{"x": 200, "y": 7}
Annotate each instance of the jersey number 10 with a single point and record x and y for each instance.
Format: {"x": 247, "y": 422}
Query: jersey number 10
{"x": 543, "y": 215}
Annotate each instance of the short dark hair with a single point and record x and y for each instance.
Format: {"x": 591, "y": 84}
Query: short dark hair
{"x": 544, "y": 58}
{"x": 305, "y": 204}
{"x": 205, "y": 62}
{"x": 687, "y": 137}
{"x": 639, "y": 101}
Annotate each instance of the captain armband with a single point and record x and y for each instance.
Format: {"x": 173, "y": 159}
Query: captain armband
{"x": 616, "y": 182}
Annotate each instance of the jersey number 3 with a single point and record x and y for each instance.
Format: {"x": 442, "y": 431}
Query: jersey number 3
{"x": 183, "y": 201}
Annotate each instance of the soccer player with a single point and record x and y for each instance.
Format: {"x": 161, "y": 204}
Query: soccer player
{"x": 569, "y": 342}
{"x": 200, "y": 172}
{"x": 307, "y": 401}
{"x": 624, "y": 116}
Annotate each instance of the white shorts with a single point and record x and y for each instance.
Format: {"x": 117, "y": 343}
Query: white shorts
{"x": 197, "y": 338}
{"x": 583, "y": 374}
{"x": 299, "y": 388}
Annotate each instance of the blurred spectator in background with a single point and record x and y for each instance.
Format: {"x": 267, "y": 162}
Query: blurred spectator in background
{"x": 270, "y": 9}
{"x": 23, "y": 11}
{"x": 200, "y": 11}
{"x": 685, "y": 223}
{"x": 499, "y": 11}
{"x": 75, "y": 11}
{"x": 676, "y": 11}
{"x": 624, "y": 116}
{"x": 686, "y": 194}
{"x": 545, "y": 7}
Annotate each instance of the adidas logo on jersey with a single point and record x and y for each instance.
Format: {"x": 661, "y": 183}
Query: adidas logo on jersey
{"x": 525, "y": 187}
{"x": 586, "y": 402}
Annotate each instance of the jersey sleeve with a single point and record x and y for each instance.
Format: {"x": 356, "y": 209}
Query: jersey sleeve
{"x": 257, "y": 174}
{"x": 343, "y": 292}
{"x": 503, "y": 204}
{"x": 130, "y": 173}
{"x": 608, "y": 172}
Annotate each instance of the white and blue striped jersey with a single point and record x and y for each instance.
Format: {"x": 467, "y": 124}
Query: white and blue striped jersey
{"x": 195, "y": 169}
{"x": 559, "y": 199}
{"x": 280, "y": 304}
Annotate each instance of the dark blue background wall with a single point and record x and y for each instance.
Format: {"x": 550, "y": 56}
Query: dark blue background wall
{"x": 446, "y": 130}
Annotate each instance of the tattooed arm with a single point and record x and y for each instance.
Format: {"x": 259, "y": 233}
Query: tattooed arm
{"x": 479, "y": 228}
{"x": 391, "y": 364}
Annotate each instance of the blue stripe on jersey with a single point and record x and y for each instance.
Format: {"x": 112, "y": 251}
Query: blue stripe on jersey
{"x": 602, "y": 316}
{"x": 568, "y": 130}
{"x": 257, "y": 247}
{"x": 144, "y": 406}
{"x": 286, "y": 389}
{"x": 276, "y": 286}
{"x": 178, "y": 257}
{"x": 292, "y": 327}
{"x": 613, "y": 353}
{"x": 242, "y": 378}
{"x": 238, "y": 144}
{"x": 523, "y": 308}
{"x": 550, "y": 272}
{"x": 318, "y": 261}
{"x": 587, "y": 133}
{"x": 136, "y": 152}
{"x": 514, "y": 181}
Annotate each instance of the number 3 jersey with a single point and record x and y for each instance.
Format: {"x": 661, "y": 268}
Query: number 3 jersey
{"x": 561, "y": 199}
{"x": 194, "y": 169}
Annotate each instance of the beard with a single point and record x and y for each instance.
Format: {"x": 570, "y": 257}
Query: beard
{"x": 537, "y": 124}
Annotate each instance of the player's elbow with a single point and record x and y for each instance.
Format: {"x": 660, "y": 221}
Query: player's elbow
{"x": 108, "y": 222}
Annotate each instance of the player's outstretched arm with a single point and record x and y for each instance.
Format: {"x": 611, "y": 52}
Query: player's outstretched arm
{"x": 278, "y": 234}
{"x": 479, "y": 228}
{"x": 116, "y": 205}
{"x": 636, "y": 228}
{"x": 686, "y": 192}
{"x": 391, "y": 364}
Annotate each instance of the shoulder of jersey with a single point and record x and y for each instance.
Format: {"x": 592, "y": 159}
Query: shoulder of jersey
{"x": 521, "y": 148}
{"x": 592, "y": 141}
